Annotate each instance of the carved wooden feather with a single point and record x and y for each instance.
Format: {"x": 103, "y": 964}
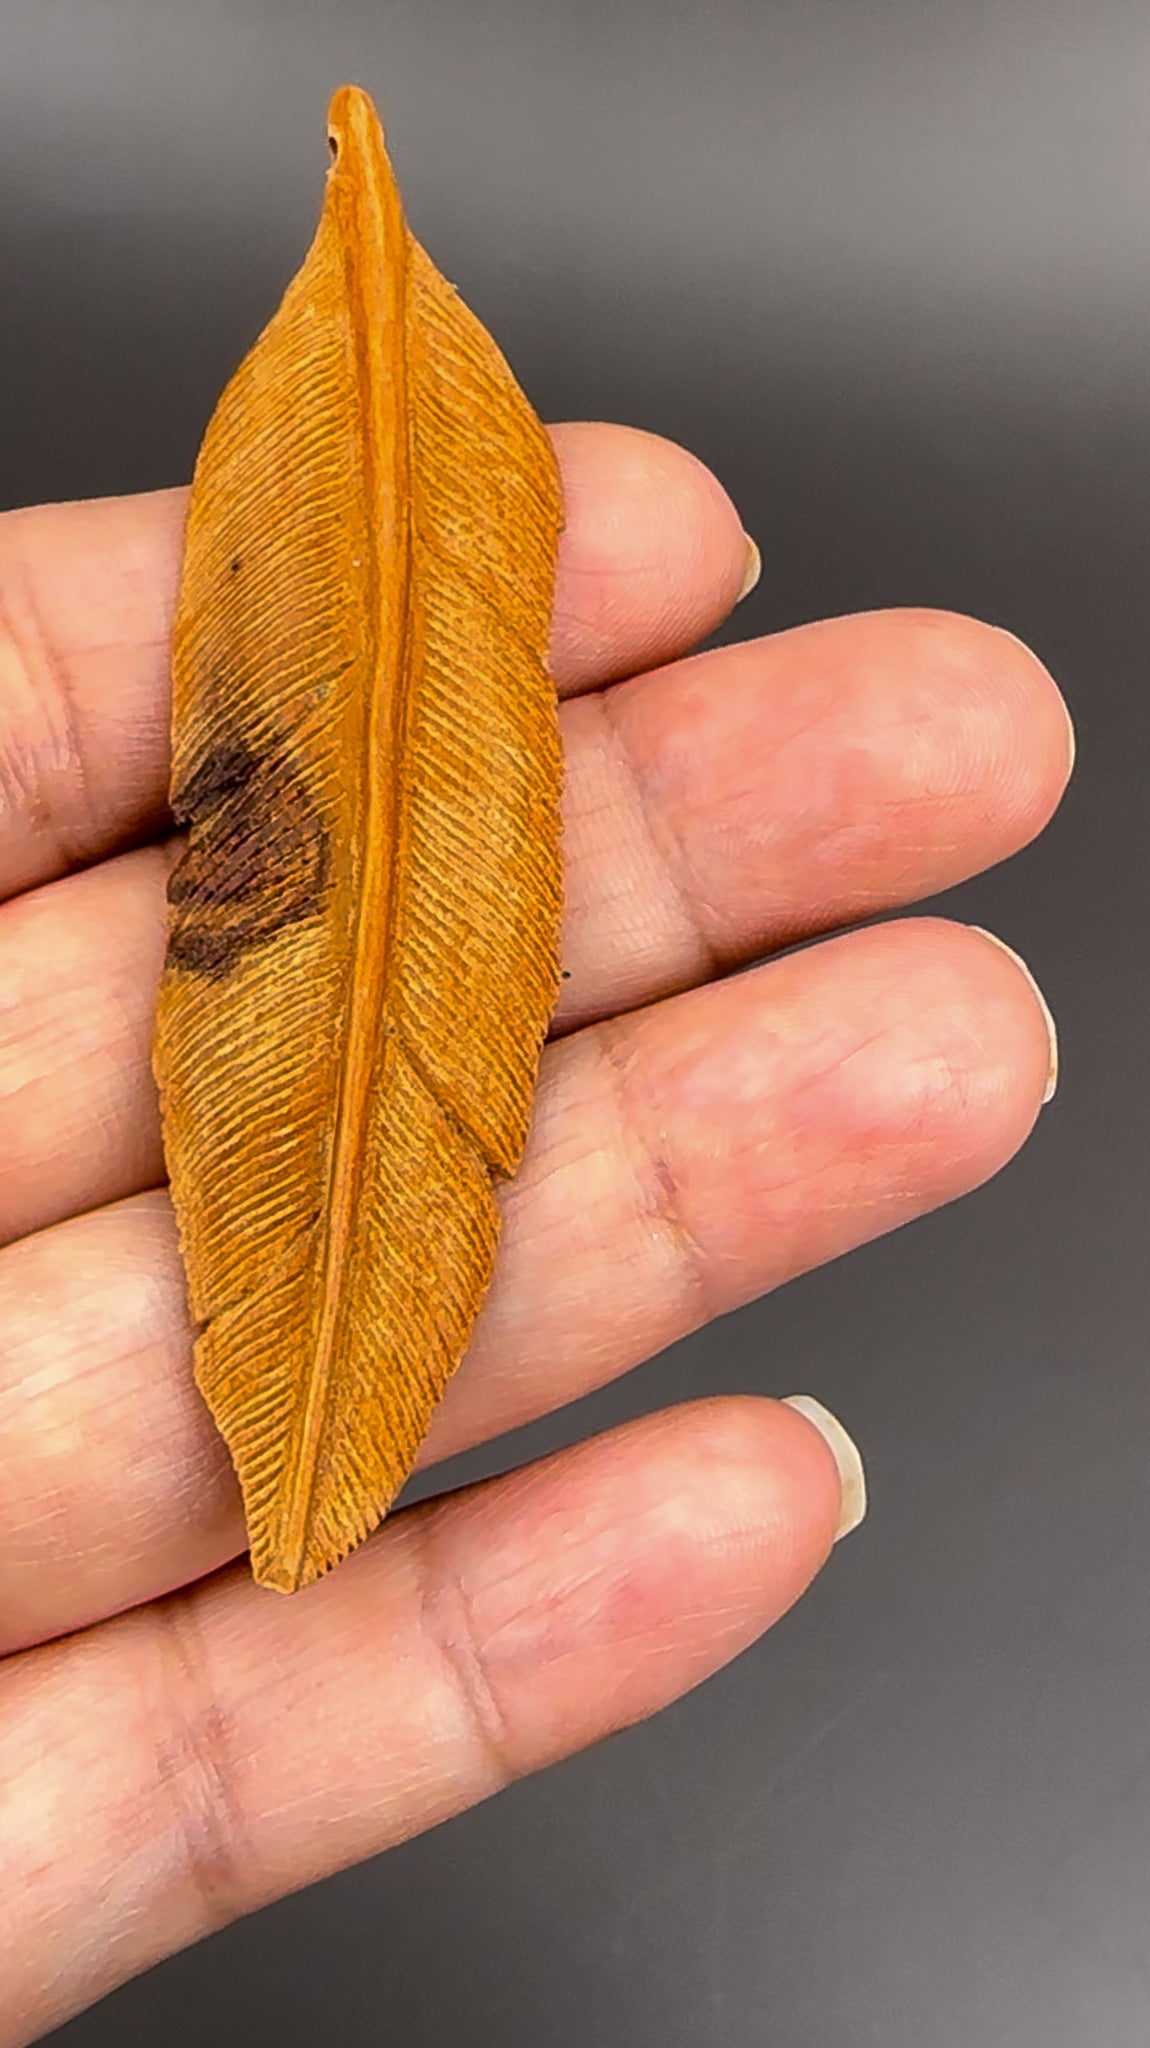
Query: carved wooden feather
{"x": 363, "y": 949}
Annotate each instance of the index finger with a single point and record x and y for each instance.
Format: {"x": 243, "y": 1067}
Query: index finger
{"x": 652, "y": 558}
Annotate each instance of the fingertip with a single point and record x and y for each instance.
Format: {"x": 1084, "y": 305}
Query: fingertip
{"x": 764, "y": 1482}
{"x": 1036, "y": 677}
{"x": 995, "y": 1045}
{"x": 1037, "y": 745}
{"x": 653, "y": 554}
{"x": 1046, "y": 1015}
{"x": 846, "y": 1456}
{"x": 1014, "y": 735}
{"x": 697, "y": 1529}
{"x": 942, "y": 1073}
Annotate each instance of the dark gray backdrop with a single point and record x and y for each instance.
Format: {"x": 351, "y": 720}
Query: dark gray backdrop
{"x": 887, "y": 269}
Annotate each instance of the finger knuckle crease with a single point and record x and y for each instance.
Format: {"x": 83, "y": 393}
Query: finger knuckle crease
{"x": 658, "y": 1196}
{"x": 667, "y": 850}
{"x": 449, "y": 1626}
{"x": 43, "y": 768}
{"x": 195, "y": 1772}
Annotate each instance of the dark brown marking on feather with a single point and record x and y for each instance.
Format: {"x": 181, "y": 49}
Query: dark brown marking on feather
{"x": 256, "y": 860}
{"x": 224, "y": 772}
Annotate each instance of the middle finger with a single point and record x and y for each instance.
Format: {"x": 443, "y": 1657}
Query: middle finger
{"x": 714, "y": 810}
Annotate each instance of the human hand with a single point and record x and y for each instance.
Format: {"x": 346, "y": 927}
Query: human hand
{"x": 697, "y": 1139}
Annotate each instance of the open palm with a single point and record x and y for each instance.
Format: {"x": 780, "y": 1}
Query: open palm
{"x": 699, "y": 1136}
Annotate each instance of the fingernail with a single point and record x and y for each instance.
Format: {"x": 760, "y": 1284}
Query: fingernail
{"x": 1072, "y": 741}
{"x": 753, "y": 570}
{"x": 847, "y": 1457}
{"x": 1044, "y": 1006}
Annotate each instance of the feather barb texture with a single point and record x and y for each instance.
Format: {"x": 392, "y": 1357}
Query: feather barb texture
{"x": 363, "y": 932}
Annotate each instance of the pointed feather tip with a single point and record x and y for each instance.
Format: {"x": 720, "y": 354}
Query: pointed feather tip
{"x": 277, "y": 1577}
{"x": 352, "y": 119}
{"x": 283, "y": 1574}
{"x": 292, "y": 1561}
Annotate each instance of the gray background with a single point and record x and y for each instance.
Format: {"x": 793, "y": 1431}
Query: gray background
{"x": 887, "y": 269}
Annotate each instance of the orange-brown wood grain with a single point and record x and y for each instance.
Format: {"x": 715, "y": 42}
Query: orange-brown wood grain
{"x": 363, "y": 949}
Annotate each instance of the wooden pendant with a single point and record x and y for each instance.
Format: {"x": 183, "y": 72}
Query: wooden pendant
{"x": 363, "y": 950}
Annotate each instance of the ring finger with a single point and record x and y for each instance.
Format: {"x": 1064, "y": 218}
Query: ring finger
{"x": 682, "y": 1161}
{"x": 714, "y": 811}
